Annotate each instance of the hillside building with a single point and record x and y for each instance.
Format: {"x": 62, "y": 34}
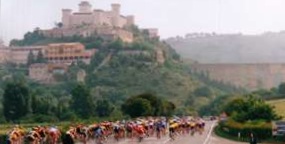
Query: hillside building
{"x": 152, "y": 32}
{"x": 44, "y": 73}
{"x": 40, "y": 73}
{"x": 4, "y": 55}
{"x": 67, "y": 53}
{"x": 18, "y": 55}
{"x": 62, "y": 53}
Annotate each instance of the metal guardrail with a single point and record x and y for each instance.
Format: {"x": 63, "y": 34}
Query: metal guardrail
{"x": 278, "y": 128}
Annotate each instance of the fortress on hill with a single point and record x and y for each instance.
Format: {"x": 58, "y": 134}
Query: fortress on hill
{"x": 109, "y": 25}
{"x": 96, "y": 17}
{"x": 86, "y": 21}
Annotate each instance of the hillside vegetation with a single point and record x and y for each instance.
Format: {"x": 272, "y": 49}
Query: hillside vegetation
{"x": 117, "y": 72}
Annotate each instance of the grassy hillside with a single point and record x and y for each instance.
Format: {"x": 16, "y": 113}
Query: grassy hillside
{"x": 279, "y": 106}
{"x": 120, "y": 70}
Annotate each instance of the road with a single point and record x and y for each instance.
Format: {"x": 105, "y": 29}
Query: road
{"x": 206, "y": 138}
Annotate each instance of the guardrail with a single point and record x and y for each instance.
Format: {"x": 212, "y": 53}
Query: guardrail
{"x": 278, "y": 128}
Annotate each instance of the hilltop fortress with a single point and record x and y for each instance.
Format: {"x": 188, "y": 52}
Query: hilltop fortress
{"x": 96, "y": 17}
{"x": 86, "y": 22}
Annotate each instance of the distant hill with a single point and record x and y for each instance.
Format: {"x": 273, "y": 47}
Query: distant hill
{"x": 231, "y": 48}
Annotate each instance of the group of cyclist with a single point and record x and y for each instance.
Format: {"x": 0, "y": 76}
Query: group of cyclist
{"x": 36, "y": 135}
{"x": 101, "y": 132}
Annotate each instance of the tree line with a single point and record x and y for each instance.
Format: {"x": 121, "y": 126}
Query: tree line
{"x": 20, "y": 104}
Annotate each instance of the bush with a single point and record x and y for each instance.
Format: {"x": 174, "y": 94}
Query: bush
{"x": 68, "y": 116}
{"x": 262, "y": 130}
{"x": 39, "y": 118}
{"x": 3, "y": 139}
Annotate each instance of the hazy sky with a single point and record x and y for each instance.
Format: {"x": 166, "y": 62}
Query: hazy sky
{"x": 172, "y": 17}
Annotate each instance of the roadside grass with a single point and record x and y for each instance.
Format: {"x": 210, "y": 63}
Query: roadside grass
{"x": 219, "y": 132}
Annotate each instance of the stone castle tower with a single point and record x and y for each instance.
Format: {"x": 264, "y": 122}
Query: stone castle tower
{"x": 66, "y": 13}
{"x": 96, "y": 17}
{"x": 116, "y": 10}
{"x": 85, "y": 7}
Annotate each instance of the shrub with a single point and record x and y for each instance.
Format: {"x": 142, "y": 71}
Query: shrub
{"x": 39, "y": 118}
{"x": 261, "y": 129}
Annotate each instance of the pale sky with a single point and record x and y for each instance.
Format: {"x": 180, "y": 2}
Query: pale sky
{"x": 172, "y": 17}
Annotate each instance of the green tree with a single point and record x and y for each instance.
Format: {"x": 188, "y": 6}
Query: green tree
{"x": 16, "y": 102}
{"x": 40, "y": 58}
{"x": 215, "y": 107}
{"x": 46, "y": 105}
{"x": 136, "y": 107}
{"x": 281, "y": 89}
{"x": 168, "y": 108}
{"x": 236, "y": 105}
{"x": 155, "y": 102}
{"x": 30, "y": 38}
{"x": 58, "y": 24}
{"x": 31, "y": 58}
{"x": 203, "y": 91}
{"x": 82, "y": 103}
{"x": 157, "y": 107}
{"x": 250, "y": 108}
{"x": 103, "y": 108}
{"x": 97, "y": 59}
{"x": 117, "y": 44}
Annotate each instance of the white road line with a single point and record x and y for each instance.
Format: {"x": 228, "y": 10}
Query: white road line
{"x": 209, "y": 133}
{"x": 166, "y": 141}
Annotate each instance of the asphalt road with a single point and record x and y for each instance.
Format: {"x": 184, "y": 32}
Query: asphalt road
{"x": 206, "y": 138}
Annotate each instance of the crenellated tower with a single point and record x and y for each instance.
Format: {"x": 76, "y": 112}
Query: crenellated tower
{"x": 116, "y": 10}
{"x": 66, "y": 15}
{"x": 85, "y": 7}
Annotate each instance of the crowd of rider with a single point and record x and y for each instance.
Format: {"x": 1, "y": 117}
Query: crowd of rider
{"x": 102, "y": 132}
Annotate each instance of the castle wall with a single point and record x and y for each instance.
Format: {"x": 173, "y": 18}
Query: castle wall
{"x": 40, "y": 73}
{"x": 130, "y": 20}
{"x": 122, "y": 21}
{"x": 95, "y": 17}
{"x": 78, "y": 19}
{"x": 106, "y": 18}
{"x": 125, "y": 35}
{"x": 104, "y": 31}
